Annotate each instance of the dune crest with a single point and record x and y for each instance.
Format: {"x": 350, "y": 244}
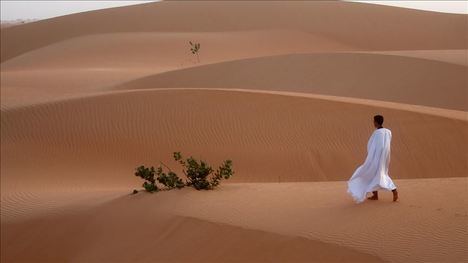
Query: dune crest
{"x": 366, "y": 76}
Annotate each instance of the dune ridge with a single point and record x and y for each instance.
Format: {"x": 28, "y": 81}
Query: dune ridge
{"x": 366, "y": 76}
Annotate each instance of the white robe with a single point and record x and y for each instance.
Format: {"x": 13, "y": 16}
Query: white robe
{"x": 373, "y": 174}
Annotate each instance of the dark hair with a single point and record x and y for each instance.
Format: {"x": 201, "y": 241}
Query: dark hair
{"x": 378, "y": 119}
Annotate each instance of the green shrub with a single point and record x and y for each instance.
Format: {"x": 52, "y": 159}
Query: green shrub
{"x": 195, "y": 48}
{"x": 199, "y": 174}
{"x": 169, "y": 180}
{"x": 223, "y": 172}
{"x": 150, "y": 187}
{"x": 147, "y": 174}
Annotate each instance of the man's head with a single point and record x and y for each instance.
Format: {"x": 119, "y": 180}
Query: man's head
{"x": 378, "y": 121}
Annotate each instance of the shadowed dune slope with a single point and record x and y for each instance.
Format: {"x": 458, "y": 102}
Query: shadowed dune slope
{"x": 271, "y": 138}
{"x": 369, "y": 76}
{"x": 345, "y": 22}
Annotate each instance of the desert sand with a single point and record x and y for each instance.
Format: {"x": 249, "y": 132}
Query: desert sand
{"x": 287, "y": 90}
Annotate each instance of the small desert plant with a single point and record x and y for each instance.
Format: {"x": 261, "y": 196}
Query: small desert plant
{"x": 147, "y": 174}
{"x": 223, "y": 172}
{"x": 194, "y": 48}
{"x": 170, "y": 179}
{"x": 199, "y": 174}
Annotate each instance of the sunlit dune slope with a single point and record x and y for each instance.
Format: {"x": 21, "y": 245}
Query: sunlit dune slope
{"x": 257, "y": 222}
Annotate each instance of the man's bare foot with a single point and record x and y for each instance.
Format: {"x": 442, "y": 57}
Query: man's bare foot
{"x": 395, "y": 195}
{"x": 375, "y": 196}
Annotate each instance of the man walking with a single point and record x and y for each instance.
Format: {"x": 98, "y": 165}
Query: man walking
{"x": 373, "y": 174}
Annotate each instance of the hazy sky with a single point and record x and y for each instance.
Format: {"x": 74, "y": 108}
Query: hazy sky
{"x": 459, "y": 7}
{"x": 17, "y": 9}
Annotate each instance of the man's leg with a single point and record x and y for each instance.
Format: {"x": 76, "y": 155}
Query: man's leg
{"x": 375, "y": 196}
{"x": 395, "y": 195}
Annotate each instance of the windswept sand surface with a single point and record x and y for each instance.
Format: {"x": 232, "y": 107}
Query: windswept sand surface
{"x": 369, "y": 76}
{"x": 287, "y": 90}
{"x": 305, "y": 222}
{"x": 169, "y": 236}
{"x": 271, "y": 138}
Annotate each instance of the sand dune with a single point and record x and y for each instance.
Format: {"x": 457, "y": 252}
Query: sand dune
{"x": 304, "y": 73}
{"x": 172, "y": 240}
{"x": 26, "y": 204}
{"x": 306, "y": 222}
{"x": 287, "y": 90}
{"x": 344, "y": 22}
{"x": 455, "y": 56}
{"x": 84, "y": 66}
{"x": 272, "y": 138}
{"x": 452, "y": 114}
{"x": 370, "y": 76}
{"x": 110, "y": 53}
{"x": 168, "y": 50}
{"x": 29, "y": 87}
